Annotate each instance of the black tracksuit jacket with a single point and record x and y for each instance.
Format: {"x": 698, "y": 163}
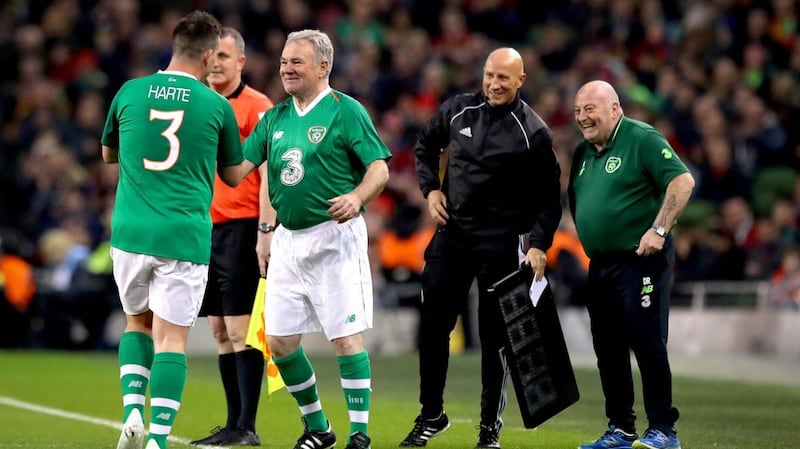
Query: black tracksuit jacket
{"x": 507, "y": 172}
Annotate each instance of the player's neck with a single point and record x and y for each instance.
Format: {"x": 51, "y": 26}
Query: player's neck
{"x": 191, "y": 67}
{"x": 303, "y": 101}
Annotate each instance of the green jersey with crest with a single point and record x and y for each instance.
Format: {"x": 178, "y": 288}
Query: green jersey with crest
{"x": 616, "y": 193}
{"x": 171, "y": 131}
{"x": 313, "y": 156}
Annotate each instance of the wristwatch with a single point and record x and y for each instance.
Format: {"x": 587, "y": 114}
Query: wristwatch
{"x": 266, "y": 228}
{"x": 659, "y": 230}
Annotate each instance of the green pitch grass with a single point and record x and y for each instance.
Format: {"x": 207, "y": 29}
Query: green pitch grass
{"x": 71, "y": 400}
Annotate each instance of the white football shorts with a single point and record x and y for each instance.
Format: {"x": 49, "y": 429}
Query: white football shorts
{"x": 319, "y": 280}
{"x": 172, "y": 289}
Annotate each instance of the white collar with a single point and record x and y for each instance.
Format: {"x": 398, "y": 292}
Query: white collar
{"x": 178, "y": 73}
{"x": 311, "y": 105}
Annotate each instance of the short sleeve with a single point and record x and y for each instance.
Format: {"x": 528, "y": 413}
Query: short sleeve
{"x": 230, "y": 147}
{"x": 255, "y": 145}
{"x": 660, "y": 160}
{"x": 364, "y": 139}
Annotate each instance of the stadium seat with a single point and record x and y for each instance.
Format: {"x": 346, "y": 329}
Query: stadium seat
{"x": 771, "y": 183}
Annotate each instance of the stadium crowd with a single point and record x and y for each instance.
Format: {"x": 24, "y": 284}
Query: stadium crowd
{"x": 721, "y": 79}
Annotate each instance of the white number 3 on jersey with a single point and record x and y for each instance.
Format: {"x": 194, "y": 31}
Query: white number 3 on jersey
{"x": 176, "y": 119}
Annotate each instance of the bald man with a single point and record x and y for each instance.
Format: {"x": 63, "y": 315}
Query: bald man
{"x": 626, "y": 169}
{"x": 497, "y": 206}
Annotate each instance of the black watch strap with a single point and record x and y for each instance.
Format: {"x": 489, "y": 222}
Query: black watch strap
{"x": 266, "y": 228}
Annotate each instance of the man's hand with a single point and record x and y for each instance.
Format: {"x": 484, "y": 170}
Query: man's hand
{"x": 537, "y": 260}
{"x": 262, "y": 251}
{"x": 437, "y": 207}
{"x": 344, "y": 207}
{"x": 650, "y": 243}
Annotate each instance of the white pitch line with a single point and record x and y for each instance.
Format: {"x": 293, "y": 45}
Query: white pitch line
{"x": 36, "y": 408}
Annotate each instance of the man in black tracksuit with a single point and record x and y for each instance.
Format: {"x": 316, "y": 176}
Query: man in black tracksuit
{"x": 501, "y": 182}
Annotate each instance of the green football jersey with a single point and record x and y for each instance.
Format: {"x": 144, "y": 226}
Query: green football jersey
{"x": 314, "y": 156}
{"x": 171, "y": 131}
{"x": 616, "y": 193}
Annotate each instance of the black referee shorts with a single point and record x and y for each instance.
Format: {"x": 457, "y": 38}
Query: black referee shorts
{"x": 233, "y": 272}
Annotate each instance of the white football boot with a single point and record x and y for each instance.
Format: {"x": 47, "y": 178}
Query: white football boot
{"x": 132, "y": 432}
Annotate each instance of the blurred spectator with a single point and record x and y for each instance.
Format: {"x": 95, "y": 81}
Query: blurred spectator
{"x": 784, "y": 288}
{"x": 73, "y": 305}
{"x": 784, "y": 22}
{"x": 763, "y": 258}
{"x": 737, "y": 222}
{"x": 649, "y": 55}
{"x": 568, "y": 264}
{"x": 756, "y": 50}
{"x": 401, "y": 246}
{"x": 784, "y": 215}
{"x": 455, "y": 40}
{"x": 17, "y": 288}
{"x": 358, "y": 27}
{"x": 719, "y": 175}
{"x": 759, "y": 129}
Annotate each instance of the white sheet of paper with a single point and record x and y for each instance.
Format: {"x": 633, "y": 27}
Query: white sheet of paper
{"x": 537, "y": 287}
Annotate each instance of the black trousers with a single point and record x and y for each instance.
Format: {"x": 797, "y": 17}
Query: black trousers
{"x": 233, "y": 272}
{"x": 452, "y": 262}
{"x": 629, "y": 310}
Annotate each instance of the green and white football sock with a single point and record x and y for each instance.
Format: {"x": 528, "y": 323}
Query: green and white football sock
{"x": 166, "y": 389}
{"x": 357, "y": 386}
{"x": 135, "y": 360}
{"x": 298, "y": 375}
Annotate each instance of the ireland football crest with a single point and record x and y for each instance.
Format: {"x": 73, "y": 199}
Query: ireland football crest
{"x": 612, "y": 164}
{"x": 317, "y": 133}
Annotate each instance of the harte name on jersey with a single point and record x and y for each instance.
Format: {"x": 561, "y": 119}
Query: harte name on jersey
{"x": 169, "y": 93}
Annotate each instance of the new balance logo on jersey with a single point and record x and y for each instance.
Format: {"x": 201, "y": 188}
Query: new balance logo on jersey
{"x": 351, "y": 319}
{"x": 135, "y": 384}
{"x": 164, "y": 416}
{"x": 466, "y": 131}
{"x": 277, "y": 135}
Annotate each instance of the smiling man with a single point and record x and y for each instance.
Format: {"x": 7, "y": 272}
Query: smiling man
{"x": 325, "y": 162}
{"x": 627, "y": 170}
{"x": 499, "y": 204}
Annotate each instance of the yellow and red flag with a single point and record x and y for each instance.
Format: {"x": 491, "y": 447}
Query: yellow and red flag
{"x": 257, "y": 338}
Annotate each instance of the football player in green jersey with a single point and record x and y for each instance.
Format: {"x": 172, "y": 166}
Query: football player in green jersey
{"x": 325, "y": 161}
{"x": 167, "y": 131}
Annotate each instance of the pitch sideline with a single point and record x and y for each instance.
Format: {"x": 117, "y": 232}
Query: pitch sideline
{"x": 36, "y": 408}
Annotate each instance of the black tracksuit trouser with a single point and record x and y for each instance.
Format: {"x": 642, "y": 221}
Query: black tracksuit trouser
{"x": 629, "y": 310}
{"x": 452, "y": 262}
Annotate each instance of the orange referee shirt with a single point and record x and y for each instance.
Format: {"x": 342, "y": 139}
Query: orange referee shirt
{"x": 230, "y": 203}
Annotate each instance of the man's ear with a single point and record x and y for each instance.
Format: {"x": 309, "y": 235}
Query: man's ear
{"x": 207, "y": 57}
{"x": 323, "y": 67}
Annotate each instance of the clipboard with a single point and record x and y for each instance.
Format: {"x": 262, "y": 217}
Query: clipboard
{"x": 540, "y": 367}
